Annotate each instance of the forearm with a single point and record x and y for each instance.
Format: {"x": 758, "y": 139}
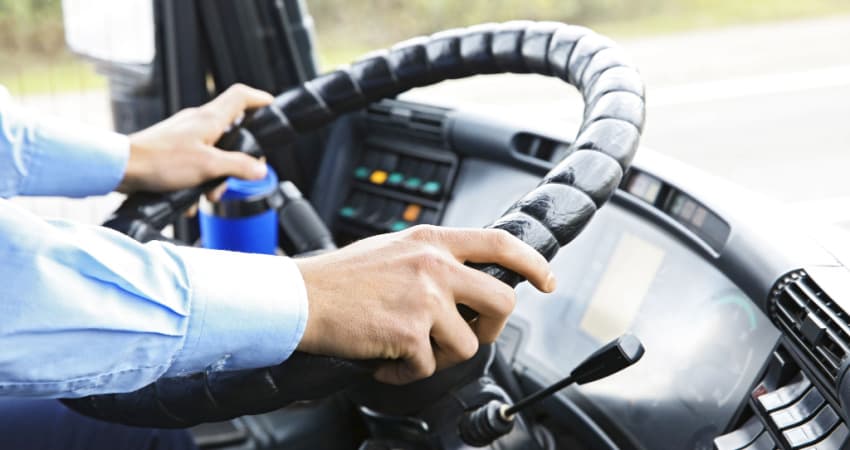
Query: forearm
{"x": 86, "y": 310}
{"x": 44, "y": 157}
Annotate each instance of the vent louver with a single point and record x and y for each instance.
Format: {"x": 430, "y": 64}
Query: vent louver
{"x": 423, "y": 120}
{"x": 813, "y": 320}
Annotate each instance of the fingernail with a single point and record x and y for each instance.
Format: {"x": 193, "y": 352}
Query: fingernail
{"x": 551, "y": 283}
{"x": 259, "y": 170}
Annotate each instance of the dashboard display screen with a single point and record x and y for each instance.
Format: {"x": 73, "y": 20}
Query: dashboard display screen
{"x": 634, "y": 263}
{"x": 705, "y": 340}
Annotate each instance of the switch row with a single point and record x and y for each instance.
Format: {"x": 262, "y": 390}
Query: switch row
{"x": 384, "y": 214}
{"x": 803, "y": 416}
{"x": 406, "y": 173}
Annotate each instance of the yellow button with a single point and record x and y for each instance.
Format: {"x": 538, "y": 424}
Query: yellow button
{"x": 378, "y": 177}
{"x": 411, "y": 213}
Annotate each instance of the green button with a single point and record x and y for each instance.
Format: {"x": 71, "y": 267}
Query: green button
{"x": 399, "y": 225}
{"x": 431, "y": 187}
{"x": 361, "y": 173}
{"x": 347, "y": 212}
{"x": 395, "y": 178}
{"x": 413, "y": 183}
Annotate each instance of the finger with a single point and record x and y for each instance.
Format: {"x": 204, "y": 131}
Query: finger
{"x": 417, "y": 365}
{"x": 215, "y": 194}
{"x": 191, "y": 211}
{"x": 493, "y": 300}
{"x": 233, "y": 102}
{"x": 500, "y": 247}
{"x": 454, "y": 340}
{"x": 236, "y": 164}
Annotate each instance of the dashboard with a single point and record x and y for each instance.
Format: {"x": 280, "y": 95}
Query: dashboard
{"x": 744, "y": 346}
{"x": 706, "y": 341}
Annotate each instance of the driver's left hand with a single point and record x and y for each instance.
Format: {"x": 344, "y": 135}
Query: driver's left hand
{"x": 179, "y": 152}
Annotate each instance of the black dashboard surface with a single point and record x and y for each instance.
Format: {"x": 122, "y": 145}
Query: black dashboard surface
{"x": 706, "y": 341}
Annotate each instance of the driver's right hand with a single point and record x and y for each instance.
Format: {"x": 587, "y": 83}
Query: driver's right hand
{"x": 395, "y": 296}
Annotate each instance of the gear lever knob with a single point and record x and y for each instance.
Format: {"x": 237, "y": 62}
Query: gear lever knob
{"x": 495, "y": 419}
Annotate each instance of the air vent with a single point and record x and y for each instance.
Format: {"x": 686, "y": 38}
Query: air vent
{"x": 427, "y": 121}
{"x": 539, "y": 147}
{"x": 813, "y": 320}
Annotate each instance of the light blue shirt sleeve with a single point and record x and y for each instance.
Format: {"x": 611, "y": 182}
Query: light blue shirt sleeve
{"x": 86, "y": 310}
{"x": 48, "y": 157}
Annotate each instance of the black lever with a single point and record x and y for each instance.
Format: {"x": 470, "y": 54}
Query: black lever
{"x": 301, "y": 224}
{"x": 495, "y": 419}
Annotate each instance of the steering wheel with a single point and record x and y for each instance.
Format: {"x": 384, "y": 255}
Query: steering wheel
{"x": 548, "y": 217}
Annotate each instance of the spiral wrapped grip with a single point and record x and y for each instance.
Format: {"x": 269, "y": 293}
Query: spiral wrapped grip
{"x": 551, "y": 215}
{"x": 546, "y": 218}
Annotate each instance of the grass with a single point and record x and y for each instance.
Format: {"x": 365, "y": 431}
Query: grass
{"x": 344, "y": 37}
{"x": 338, "y": 43}
{"x": 43, "y": 76}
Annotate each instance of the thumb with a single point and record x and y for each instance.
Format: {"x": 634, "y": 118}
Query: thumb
{"x": 236, "y": 164}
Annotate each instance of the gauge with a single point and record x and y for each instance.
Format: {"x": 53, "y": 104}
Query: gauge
{"x": 717, "y": 375}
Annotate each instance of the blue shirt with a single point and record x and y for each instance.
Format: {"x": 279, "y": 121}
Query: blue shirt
{"x": 86, "y": 310}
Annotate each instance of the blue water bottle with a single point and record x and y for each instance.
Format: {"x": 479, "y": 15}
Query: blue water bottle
{"x": 245, "y": 218}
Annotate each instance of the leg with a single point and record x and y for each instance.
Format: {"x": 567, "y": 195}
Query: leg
{"x": 46, "y": 424}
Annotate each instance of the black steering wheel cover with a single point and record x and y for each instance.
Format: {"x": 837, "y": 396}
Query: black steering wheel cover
{"x": 548, "y": 217}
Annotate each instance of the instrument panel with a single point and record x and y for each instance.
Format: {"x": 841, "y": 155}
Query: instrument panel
{"x": 706, "y": 342}
{"x": 693, "y": 283}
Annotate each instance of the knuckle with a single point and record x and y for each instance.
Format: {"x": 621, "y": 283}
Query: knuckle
{"x": 426, "y": 369}
{"x": 238, "y": 88}
{"x": 501, "y": 240}
{"x": 426, "y": 233}
{"x": 243, "y": 91}
{"x": 205, "y": 113}
{"x": 468, "y": 348}
{"x": 421, "y": 361}
{"x": 429, "y": 260}
{"x": 432, "y": 297}
{"x": 407, "y": 338}
{"x": 208, "y": 166}
{"x": 505, "y": 302}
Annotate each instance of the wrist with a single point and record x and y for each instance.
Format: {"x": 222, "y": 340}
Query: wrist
{"x": 135, "y": 170}
{"x": 308, "y": 337}
{"x": 311, "y": 338}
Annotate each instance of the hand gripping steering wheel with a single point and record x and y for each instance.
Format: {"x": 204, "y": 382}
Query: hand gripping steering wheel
{"x": 546, "y": 218}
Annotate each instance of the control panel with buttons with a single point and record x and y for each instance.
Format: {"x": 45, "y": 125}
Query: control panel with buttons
{"x": 395, "y": 185}
{"x": 786, "y": 411}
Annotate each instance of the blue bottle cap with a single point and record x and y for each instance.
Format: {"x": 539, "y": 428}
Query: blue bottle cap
{"x": 244, "y": 198}
{"x": 241, "y": 189}
{"x": 245, "y": 219}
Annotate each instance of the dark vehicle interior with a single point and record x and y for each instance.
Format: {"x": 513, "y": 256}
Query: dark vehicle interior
{"x": 741, "y": 315}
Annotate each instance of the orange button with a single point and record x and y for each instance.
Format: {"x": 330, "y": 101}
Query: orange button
{"x": 378, "y": 177}
{"x": 411, "y": 213}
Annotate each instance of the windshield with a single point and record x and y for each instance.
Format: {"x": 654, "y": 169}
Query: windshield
{"x": 755, "y": 92}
